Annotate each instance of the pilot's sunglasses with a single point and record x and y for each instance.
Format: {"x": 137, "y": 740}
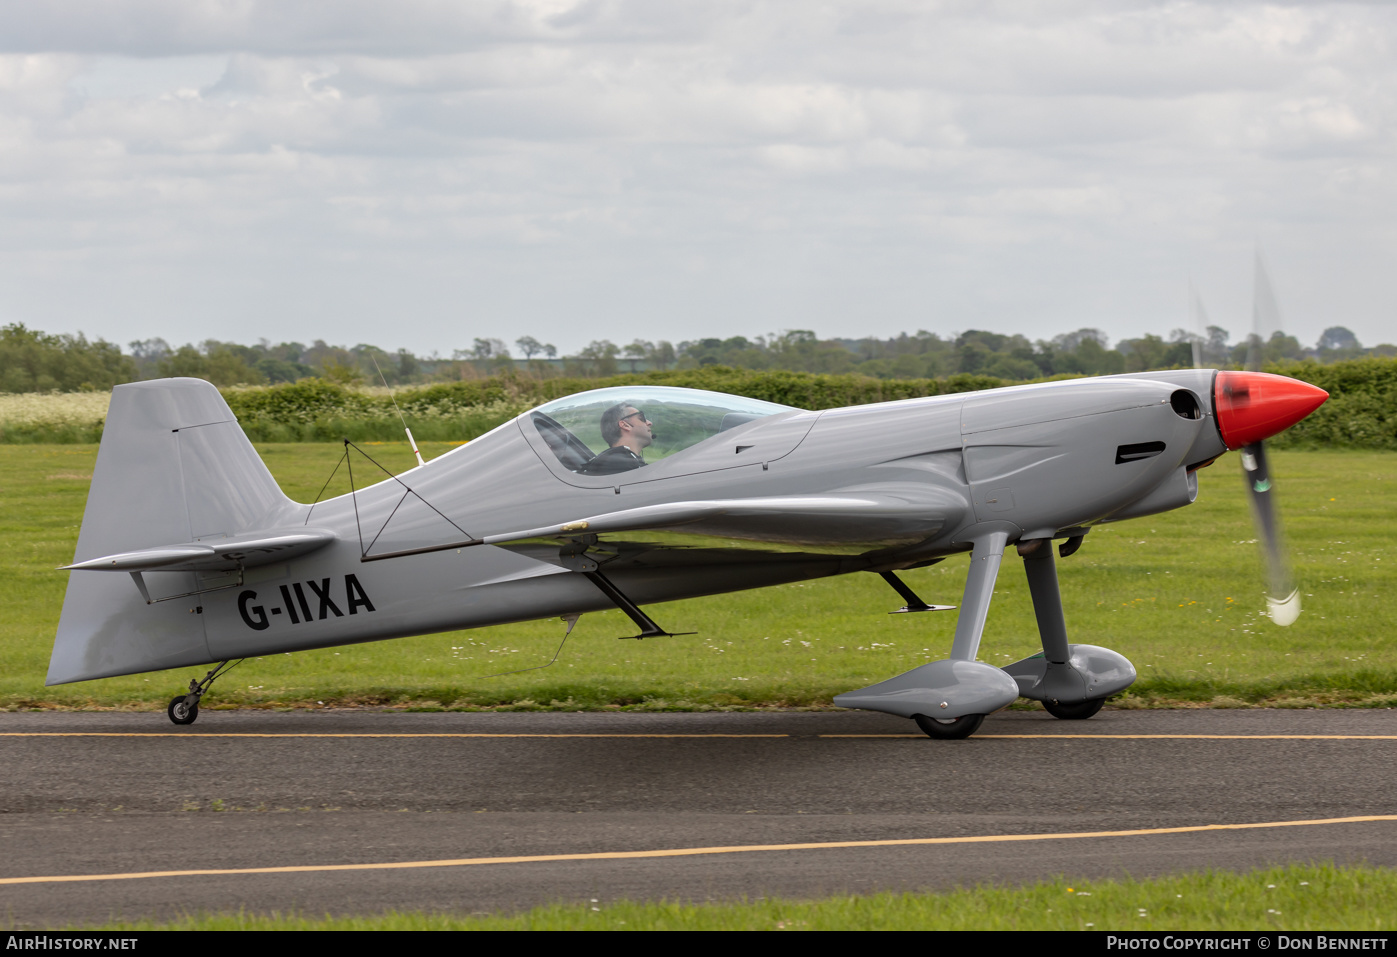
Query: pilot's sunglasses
{"x": 633, "y": 414}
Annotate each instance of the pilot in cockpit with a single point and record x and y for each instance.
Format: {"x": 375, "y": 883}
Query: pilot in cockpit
{"x": 628, "y": 433}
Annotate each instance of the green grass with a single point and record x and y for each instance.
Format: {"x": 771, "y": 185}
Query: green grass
{"x": 1294, "y": 898}
{"x": 1180, "y": 594}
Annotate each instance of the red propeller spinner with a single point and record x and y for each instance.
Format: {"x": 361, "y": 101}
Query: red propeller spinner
{"x": 1252, "y": 406}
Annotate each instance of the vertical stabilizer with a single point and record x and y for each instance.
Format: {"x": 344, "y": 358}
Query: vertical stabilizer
{"x": 174, "y": 466}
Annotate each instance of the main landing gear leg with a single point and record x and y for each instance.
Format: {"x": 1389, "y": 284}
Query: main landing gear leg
{"x": 970, "y": 626}
{"x": 1063, "y": 690}
{"x": 1041, "y": 570}
{"x": 979, "y": 590}
{"x": 950, "y": 698}
{"x": 185, "y": 708}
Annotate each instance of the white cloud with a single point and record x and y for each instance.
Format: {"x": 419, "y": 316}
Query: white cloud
{"x": 238, "y": 169}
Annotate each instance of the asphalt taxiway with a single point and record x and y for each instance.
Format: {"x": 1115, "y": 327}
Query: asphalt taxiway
{"x": 107, "y": 815}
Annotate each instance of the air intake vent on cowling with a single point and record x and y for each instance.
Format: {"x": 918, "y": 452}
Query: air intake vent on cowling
{"x": 1137, "y": 452}
{"x": 1186, "y": 404}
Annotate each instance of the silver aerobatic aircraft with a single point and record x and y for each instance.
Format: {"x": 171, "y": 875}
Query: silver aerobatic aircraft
{"x": 190, "y": 554}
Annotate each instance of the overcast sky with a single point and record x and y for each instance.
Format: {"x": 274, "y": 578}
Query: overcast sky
{"x": 422, "y": 172}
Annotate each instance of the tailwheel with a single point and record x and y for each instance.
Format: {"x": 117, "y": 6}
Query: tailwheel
{"x": 185, "y": 708}
{"x": 949, "y": 729}
{"x": 1076, "y": 711}
{"x": 181, "y": 711}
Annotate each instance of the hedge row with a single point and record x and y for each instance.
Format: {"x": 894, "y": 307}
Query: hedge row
{"x": 1361, "y": 411}
{"x": 314, "y": 410}
{"x": 311, "y": 399}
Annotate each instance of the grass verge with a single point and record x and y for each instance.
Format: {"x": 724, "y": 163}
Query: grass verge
{"x": 1293, "y": 898}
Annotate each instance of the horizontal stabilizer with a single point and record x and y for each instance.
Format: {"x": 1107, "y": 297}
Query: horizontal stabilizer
{"x": 245, "y": 551}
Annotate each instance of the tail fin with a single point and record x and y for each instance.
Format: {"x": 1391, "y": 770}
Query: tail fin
{"x": 174, "y": 466}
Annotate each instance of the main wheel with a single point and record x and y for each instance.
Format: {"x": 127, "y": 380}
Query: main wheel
{"x": 1076, "y": 711}
{"x": 949, "y": 729}
{"x": 182, "y": 713}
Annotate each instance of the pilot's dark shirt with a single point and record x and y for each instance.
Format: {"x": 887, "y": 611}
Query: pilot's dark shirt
{"x": 618, "y": 458}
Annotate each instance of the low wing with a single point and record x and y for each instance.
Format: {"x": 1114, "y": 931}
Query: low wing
{"x": 224, "y": 554}
{"x": 878, "y": 518}
{"x": 818, "y": 509}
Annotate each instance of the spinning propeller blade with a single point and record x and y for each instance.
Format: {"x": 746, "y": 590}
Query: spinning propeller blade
{"x": 1282, "y": 595}
{"x": 1251, "y": 407}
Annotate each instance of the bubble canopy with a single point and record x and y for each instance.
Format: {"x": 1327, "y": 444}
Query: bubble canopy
{"x": 671, "y": 419}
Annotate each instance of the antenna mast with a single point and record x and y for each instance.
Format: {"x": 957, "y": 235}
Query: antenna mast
{"x": 410, "y": 440}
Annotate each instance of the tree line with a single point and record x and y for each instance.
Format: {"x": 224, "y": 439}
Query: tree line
{"x": 36, "y": 361}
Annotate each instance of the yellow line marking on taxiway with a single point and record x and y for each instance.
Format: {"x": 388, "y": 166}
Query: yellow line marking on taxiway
{"x": 618, "y": 734}
{"x": 688, "y": 851}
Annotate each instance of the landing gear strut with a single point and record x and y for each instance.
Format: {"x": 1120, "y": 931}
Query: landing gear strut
{"x": 184, "y": 709}
{"x": 1072, "y": 681}
{"x": 949, "y": 699}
